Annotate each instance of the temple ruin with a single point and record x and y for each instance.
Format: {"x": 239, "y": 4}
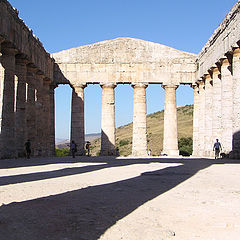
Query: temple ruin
{"x": 29, "y": 75}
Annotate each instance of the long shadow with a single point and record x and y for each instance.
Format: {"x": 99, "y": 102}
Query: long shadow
{"x": 68, "y": 171}
{"x": 88, "y": 213}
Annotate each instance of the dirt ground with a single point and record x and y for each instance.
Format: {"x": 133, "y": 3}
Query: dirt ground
{"x": 90, "y": 198}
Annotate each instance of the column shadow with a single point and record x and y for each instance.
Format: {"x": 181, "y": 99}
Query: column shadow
{"x": 87, "y": 213}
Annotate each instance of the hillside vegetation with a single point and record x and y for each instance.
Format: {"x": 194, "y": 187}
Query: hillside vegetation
{"x": 154, "y": 132}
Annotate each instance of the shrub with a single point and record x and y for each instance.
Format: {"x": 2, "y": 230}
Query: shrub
{"x": 123, "y": 142}
{"x": 185, "y": 146}
{"x": 62, "y": 152}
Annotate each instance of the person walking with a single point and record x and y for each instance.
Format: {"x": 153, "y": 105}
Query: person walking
{"x": 28, "y": 148}
{"x": 88, "y": 148}
{"x": 217, "y": 148}
{"x": 73, "y": 148}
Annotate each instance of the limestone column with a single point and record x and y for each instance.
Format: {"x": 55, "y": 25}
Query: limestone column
{"x": 236, "y": 103}
{"x": 30, "y": 107}
{"x": 40, "y": 122}
{"x": 46, "y": 116}
{"x": 8, "y": 145}
{"x": 20, "y": 116}
{"x": 52, "y": 151}
{"x": 139, "y": 138}
{"x": 170, "y": 135}
{"x": 196, "y": 109}
{"x": 201, "y": 118}
{"x": 217, "y": 105}
{"x": 227, "y": 105}
{"x": 108, "y": 132}
{"x": 77, "y": 118}
{"x": 208, "y": 141}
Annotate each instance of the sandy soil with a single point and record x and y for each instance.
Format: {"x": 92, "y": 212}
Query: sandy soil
{"x": 111, "y": 199}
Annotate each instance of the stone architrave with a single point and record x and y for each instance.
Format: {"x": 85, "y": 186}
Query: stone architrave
{"x": 217, "y": 105}
{"x": 108, "y": 133}
{"x": 170, "y": 135}
{"x": 208, "y": 139}
{"x": 201, "y": 118}
{"x": 77, "y": 118}
{"x": 30, "y": 107}
{"x": 51, "y": 145}
{"x": 236, "y": 103}
{"x": 195, "y": 121}
{"x": 8, "y": 145}
{"x": 227, "y": 105}
{"x": 139, "y": 137}
{"x": 21, "y": 74}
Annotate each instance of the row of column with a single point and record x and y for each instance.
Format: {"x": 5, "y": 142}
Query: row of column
{"x": 108, "y": 133}
{"x": 26, "y": 106}
{"x": 217, "y": 108}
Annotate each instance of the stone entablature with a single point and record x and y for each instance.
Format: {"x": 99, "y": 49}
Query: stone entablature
{"x": 224, "y": 39}
{"x": 17, "y": 35}
{"x": 125, "y": 60}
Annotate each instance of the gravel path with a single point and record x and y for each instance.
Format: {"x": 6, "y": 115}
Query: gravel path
{"x": 125, "y": 198}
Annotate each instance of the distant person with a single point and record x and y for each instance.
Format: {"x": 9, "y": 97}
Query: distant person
{"x": 73, "y": 148}
{"x": 117, "y": 152}
{"x": 217, "y": 148}
{"x": 28, "y": 148}
{"x": 149, "y": 152}
{"x": 88, "y": 144}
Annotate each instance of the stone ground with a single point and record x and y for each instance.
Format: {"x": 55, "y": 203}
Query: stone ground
{"x": 111, "y": 199}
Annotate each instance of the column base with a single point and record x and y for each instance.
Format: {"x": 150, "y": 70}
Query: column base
{"x": 170, "y": 152}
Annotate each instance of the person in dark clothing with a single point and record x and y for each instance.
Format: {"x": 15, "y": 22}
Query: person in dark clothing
{"x": 73, "y": 148}
{"x": 28, "y": 148}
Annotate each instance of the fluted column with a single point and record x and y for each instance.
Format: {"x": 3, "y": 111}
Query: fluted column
{"x": 40, "y": 122}
{"x": 77, "y": 118}
{"x": 21, "y": 73}
{"x": 108, "y": 133}
{"x": 208, "y": 141}
{"x": 46, "y": 116}
{"x": 201, "y": 118}
{"x": 170, "y": 135}
{"x": 196, "y": 109}
{"x": 52, "y": 150}
{"x": 236, "y": 103}
{"x": 217, "y": 105}
{"x": 139, "y": 138}
{"x": 30, "y": 107}
{"x": 8, "y": 144}
{"x": 227, "y": 106}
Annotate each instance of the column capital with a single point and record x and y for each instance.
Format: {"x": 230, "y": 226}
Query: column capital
{"x": 21, "y": 59}
{"x": 7, "y": 49}
{"x": 207, "y": 78}
{"x": 236, "y": 52}
{"x": 164, "y": 86}
{"x": 194, "y": 85}
{"x": 225, "y": 62}
{"x": 215, "y": 70}
{"x": 108, "y": 85}
{"x": 139, "y": 85}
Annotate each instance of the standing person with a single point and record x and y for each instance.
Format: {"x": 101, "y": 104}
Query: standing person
{"x": 217, "y": 147}
{"x": 28, "y": 148}
{"x": 88, "y": 147}
{"x": 149, "y": 152}
{"x": 73, "y": 148}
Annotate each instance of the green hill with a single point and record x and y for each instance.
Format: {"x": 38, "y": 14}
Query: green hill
{"x": 154, "y": 132}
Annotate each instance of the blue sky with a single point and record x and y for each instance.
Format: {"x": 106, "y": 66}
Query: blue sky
{"x": 185, "y": 25}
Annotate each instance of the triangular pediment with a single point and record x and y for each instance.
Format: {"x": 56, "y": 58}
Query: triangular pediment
{"x": 121, "y": 50}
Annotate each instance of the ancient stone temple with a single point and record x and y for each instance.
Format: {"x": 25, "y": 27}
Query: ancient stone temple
{"x": 29, "y": 75}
